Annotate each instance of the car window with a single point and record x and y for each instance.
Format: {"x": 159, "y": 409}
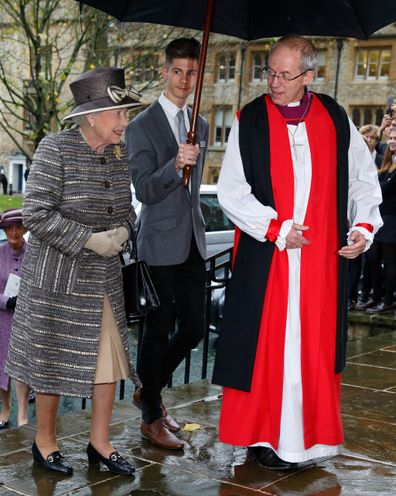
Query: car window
{"x": 215, "y": 218}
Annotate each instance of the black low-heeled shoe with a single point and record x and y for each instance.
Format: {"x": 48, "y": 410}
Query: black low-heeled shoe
{"x": 116, "y": 463}
{"x": 54, "y": 461}
{"x": 4, "y": 424}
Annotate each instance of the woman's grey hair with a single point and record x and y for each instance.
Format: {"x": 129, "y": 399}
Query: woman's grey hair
{"x": 309, "y": 57}
{"x": 82, "y": 120}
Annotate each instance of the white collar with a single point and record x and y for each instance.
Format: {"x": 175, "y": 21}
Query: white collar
{"x": 169, "y": 106}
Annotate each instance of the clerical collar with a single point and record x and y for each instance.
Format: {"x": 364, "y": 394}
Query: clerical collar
{"x": 295, "y": 110}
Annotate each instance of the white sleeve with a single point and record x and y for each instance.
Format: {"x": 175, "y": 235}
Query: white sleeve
{"x": 235, "y": 193}
{"x": 364, "y": 193}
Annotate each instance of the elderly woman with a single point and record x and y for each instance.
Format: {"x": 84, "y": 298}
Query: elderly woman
{"x": 70, "y": 332}
{"x": 11, "y": 256}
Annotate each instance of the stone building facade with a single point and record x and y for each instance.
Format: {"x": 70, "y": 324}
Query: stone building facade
{"x": 360, "y": 74}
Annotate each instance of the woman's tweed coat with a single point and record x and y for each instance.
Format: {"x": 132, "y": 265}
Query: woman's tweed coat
{"x": 72, "y": 191}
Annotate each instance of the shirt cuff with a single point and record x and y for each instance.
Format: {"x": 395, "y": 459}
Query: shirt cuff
{"x": 368, "y": 235}
{"x": 283, "y": 232}
{"x": 273, "y": 230}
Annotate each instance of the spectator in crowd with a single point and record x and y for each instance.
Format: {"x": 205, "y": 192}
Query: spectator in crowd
{"x": 370, "y": 134}
{"x": 3, "y": 180}
{"x": 383, "y": 248}
{"x": 70, "y": 334}
{"x": 388, "y": 122}
{"x": 11, "y": 256}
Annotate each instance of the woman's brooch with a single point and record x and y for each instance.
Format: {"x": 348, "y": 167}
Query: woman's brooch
{"x": 117, "y": 152}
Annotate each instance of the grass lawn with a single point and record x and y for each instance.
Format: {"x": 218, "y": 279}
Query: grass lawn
{"x": 13, "y": 201}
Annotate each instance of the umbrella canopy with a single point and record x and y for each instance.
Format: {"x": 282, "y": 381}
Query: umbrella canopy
{"x": 253, "y": 19}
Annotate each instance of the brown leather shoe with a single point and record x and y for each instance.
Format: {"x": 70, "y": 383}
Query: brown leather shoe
{"x": 160, "y": 436}
{"x": 169, "y": 422}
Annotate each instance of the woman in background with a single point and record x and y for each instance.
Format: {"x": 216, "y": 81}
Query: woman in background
{"x": 384, "y": 245}
{"x": 11, "y": 256}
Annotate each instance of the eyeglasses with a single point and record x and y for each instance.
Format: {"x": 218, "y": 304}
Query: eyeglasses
{"x": 283, "y": 76}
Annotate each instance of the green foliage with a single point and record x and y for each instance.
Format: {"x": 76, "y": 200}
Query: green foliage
{"x": 13, "y": 201}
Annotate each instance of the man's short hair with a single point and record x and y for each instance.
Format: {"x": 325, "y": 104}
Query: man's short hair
{"x": 369, "y": 128}
{"x": 309, "y": 57}
{"x": 182, "y": 48}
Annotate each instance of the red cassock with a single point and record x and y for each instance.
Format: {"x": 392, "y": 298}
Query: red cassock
{"x": 251, "y": 417}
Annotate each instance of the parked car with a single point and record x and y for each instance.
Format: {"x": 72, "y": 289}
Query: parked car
{"x": 219, "y": 229}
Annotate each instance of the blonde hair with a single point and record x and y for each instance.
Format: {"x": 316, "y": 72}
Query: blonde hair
{"x": 369, "y": 128}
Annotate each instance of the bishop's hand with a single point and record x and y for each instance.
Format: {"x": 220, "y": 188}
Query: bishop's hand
{"x": 295, "y": 239}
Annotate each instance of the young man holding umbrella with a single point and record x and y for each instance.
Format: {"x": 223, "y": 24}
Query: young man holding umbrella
{"x": 300, "y": 184}
{"x": 171, "y": 234}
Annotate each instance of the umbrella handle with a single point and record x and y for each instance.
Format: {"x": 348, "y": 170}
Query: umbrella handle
{"x": 191, "y": 137}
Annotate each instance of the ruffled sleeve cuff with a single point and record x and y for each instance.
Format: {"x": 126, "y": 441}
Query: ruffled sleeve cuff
{"x": 283, "y": 232}
{"x": 367, "y": 230}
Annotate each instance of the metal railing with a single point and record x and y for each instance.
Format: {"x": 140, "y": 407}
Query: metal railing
{"x": 218, "y": 273}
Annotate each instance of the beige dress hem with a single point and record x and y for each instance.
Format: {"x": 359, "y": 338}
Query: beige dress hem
{"x": 112, "y": 364}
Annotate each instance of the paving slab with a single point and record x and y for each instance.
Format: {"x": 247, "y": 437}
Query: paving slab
{"x": 366, "y": 465}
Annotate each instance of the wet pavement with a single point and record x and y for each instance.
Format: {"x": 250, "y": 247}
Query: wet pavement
{"x": 365, "y": 466}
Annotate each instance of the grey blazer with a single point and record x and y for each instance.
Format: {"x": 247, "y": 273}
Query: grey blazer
{"x": 170, "y": 214}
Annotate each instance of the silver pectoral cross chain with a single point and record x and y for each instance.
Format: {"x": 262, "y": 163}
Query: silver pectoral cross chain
{"x": 294, "y": 145}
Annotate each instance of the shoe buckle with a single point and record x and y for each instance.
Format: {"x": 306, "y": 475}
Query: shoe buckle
{"x": 114, "y": 457}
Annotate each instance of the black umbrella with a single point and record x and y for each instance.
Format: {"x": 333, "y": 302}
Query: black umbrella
{"x": 254, "y": 19}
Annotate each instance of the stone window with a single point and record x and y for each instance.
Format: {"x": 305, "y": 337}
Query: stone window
{"x": 368, "y": 114}
{"x": 321, "y": 71}
{"x": 259, "y": 61}
{"x": 226, "y": 67}
{"x": 146, "y": 69}
{"x": 372, "y": 63}
{"x": 222, "y": 127}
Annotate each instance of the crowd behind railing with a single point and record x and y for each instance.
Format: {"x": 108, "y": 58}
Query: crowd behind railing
{"x": 372, "y": 275}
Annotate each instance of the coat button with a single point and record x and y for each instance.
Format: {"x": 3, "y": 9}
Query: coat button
{"x": 102, "y": 160}
{"x": 110, "y": 210}
{"x": 107, "y": 184}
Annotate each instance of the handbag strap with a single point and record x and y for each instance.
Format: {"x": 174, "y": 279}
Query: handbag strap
{"x": 133, "y": 253}
{"x": 132, "y": 246}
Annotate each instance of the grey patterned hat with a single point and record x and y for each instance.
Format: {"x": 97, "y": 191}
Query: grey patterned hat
{"x": 102, "y": 89}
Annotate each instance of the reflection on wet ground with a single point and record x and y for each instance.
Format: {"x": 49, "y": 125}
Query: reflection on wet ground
{"x": 365, "y": 466}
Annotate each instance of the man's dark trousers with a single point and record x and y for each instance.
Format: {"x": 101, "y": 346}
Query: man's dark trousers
{"x": 181, "y": 290}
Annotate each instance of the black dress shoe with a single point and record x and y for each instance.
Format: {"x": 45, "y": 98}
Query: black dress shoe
{"x": 267, "y": 458}
{"x": 116, "y": 463}
{"x": 380, "y": 308}
{"x": 363, "y": 305}
{"x": 54, "y": 461}
{"x": 4, "y": 424}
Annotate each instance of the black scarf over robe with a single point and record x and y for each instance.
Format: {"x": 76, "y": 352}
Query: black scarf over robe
{"x": 236, "y": 349}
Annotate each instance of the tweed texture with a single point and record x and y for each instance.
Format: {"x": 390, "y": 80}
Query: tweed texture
{"x": 72, "y": 191}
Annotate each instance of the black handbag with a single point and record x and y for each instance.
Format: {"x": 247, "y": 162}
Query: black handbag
{"x": 139, "y": 291}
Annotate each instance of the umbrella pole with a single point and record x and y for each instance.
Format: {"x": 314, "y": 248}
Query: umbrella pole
{"x": 191, "y": 136}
